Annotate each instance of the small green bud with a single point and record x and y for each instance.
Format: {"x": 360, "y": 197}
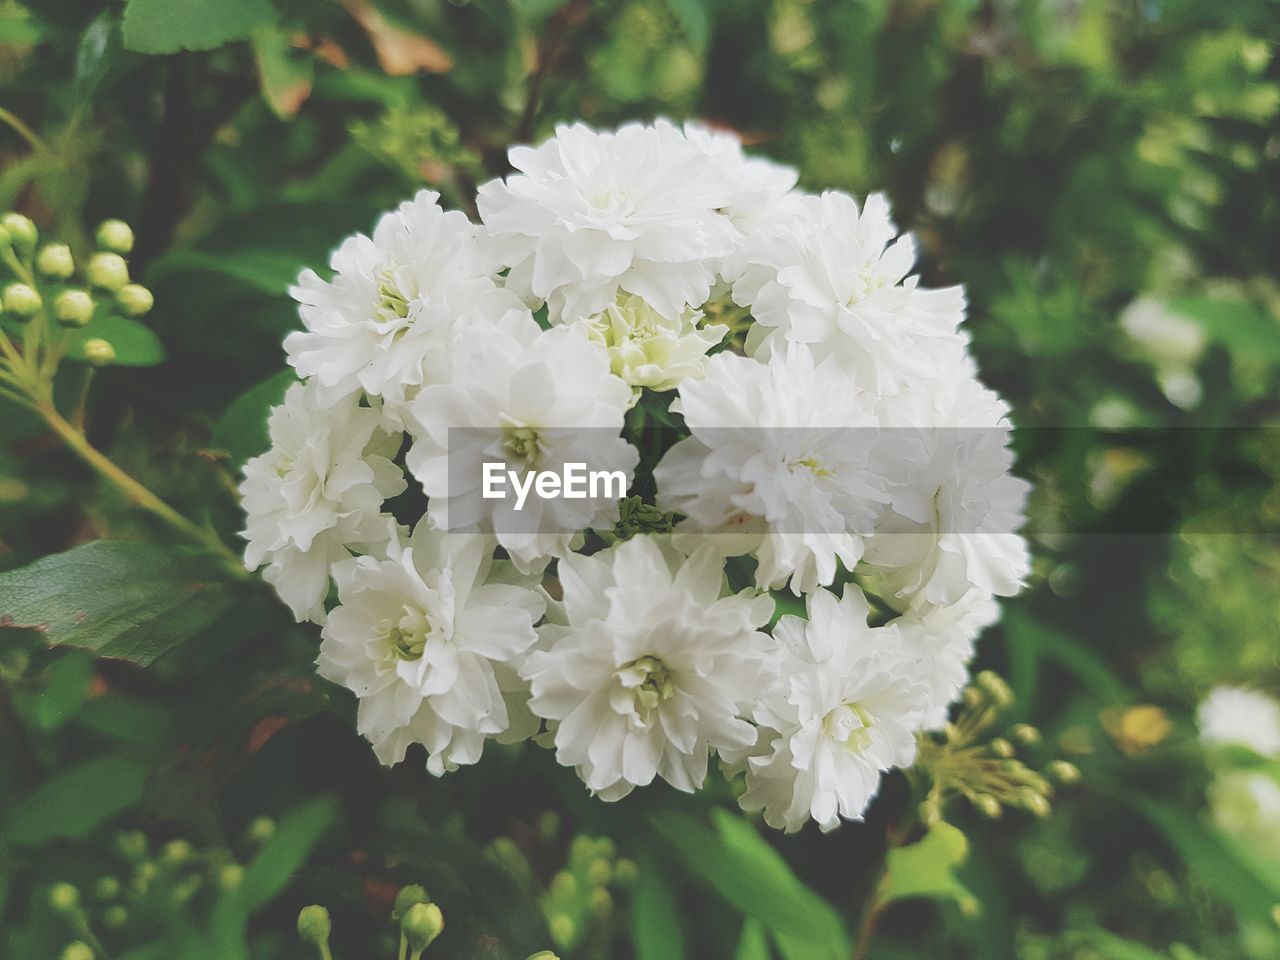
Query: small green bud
{"x": 544, "y": 955}
{"x": 77, "y": 950}
{"x": 63, "y": 897}
{"x": 230, "y": 875}
{"x": 599, "y": 872}
{"x": 564, "y": 885}
{"x": 930, "y": 812}
{"x": 1002, "y": 747}
{"x": 562, "y": 928}
{"x": 1064, "y": 772}
{"x": 314, "y": 924}
{"x": 108, "y": 271}
{"x": 132, "y": 845}
{"x": 98, "y": 352}
{"x": 1037, "y": 803}
{"x": 421, "y": 924}
{"x": 601, "y": 902}
{"x": 115, "y": 236}
{"x": 134, "y": 299}
{"x": 624, "y": 871}
{"x": 988, "y": 806}
{"x": 106, "y": 888}
{"x": 996, "y": 688}
{"x": 22, "y": 300}
{"x": 22, "y": 232}
{"x": 260, "y": 830}
{"x": 73, "y": 308}
{"x": 407, "y": 897}
{"x": 55, "y": 261}
{"x": 175, "y": 852}
{"x": 113, "y": 918}
{"x": 1025, "y": 733}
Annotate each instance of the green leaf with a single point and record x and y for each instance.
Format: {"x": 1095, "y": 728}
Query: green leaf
{"x": 242, "y": 430}
{"x": 736, "y": 862}
{"x": 694, "y": 20}
{"x": 927, "y": 868}
{"x": 1239, "y": 326}
{"x": 167, "y": 26}
{"x": 135, "y": 344}
{"x": 752, "y": 942}
{"x": 285, "y": 74}
{"x": 65, "y": 690}
{"x": 132, "y": 601}
{"x": 99, "y": 46}
{"x": 656, "y": 931}
{"x": 77, "y": 800}
{"x": 1117, "y": 948}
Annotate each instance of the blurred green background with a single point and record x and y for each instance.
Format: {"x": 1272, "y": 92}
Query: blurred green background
{"x": 1104, "y": 177}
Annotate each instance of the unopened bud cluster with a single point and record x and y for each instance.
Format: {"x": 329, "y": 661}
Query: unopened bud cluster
{"x": 973, "y": 758}
{"x": 44, "y": 284}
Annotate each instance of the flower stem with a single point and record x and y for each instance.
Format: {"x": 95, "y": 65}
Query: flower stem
{"x": 134, "y": 491}
{"x": 22, "y": 130}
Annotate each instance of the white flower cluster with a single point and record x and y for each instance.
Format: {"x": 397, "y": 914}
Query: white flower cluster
{"x": 1245, "y": 799}
{"x": 793, "y": 407}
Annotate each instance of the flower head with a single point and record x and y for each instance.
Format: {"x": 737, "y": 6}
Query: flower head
{"x": 317, "y": 493}
{"x": 1247, "y": 718}
{"x": 422, "y": 637}
{"x": 845, "y": 709}
{"x": 651, "y": 668}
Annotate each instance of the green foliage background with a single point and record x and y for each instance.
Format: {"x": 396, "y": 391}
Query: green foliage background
{"x": 1061, "y": 159}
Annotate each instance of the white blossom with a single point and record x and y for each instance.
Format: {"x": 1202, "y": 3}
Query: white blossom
{"x": 422, "y": 638}
{"x": 317, "y": 493}
{"x": 591, "y": 213}
{"x": 780, "y": 462}
{"x": 834, "y": 277}
{"x": 846, "y": 707}
{"x": 1236, "y": 716}
{"x": 651, "y": 669}
{"x": 530, "y": 400}
{"x": 385, "y": 322}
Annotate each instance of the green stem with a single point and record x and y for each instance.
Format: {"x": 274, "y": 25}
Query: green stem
{"x": 134, "y": 491}
{"x": 22, "y": 130}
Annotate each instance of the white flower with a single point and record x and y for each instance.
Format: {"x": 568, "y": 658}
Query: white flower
{"x": 531, "y": 401}
{"x": 1248, "y": 718}
{"x": 956, "y": 506}
{"x": 942, "y": 639}
{"x": 782, "y": 453}
{"x": 317, "y": 492}
{"x": 647, "y": 349}
{"x": 384, "y": 323}
{"x": 591, "y": 213}
{"x": 1173, "y": 343}
{"x": 652, "y": 670}
{"x": 835, "y": 278}
{"x": 421, "y": 637}
{"x": 845, "y": 709}
{"x": 755, "y": 185}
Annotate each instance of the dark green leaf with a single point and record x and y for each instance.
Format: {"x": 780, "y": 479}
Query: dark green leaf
{"x": 656, "y": 931}
{"x": 132, "y": 601}
{"x": 167, "y": 26}
{"x": 135, "y": 344}
{"x": 242, "y": 430}
{"x": 77, "y": 800}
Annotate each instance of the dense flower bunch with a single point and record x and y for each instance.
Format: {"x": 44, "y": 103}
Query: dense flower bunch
{"x": 790, "y": 410}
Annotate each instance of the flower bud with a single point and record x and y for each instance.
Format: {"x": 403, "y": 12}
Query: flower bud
{"x": 22, "y": 301}
{"x": 113, "y": 918}
{"x": 1064, "y": 772}
{"x": 1025, "y": 733}
{"x": 73, "y": 308}
{"x": 930, "y": 812}
{"x": 407, "y": 897}
{"x": 134, "y": 299}
{"x": 624, "y": 871}
{"x": 599, "y": 872}
{"x": 106, "y": 888}
{"x": 314, "y": 924}
{"x": 98, "y": 352}
{"x": 175, "y": 852}
{"x": 55, "y": 261}
{"x": 1002, "y": 747}
{"x": 115, "y": 236}
{"x": 421, "y": 924}
{"x": 230, "y": 875}
{"x": 77, "y": 950}
{"x": 22, "y": 232}
{"x": 601, "y": 902}
{"x": 988, "y": 806}
{"x": 996, "y": 688}
{"x": 63, "y": 897}
{"x": 260, "y": 830}
{"x": 108, "y": 271}
{"x": 1037, "y": 803}
{"x": 544, "y": 955}
{"x": 562, "y": 928}
{"x": 132, "y": 845}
